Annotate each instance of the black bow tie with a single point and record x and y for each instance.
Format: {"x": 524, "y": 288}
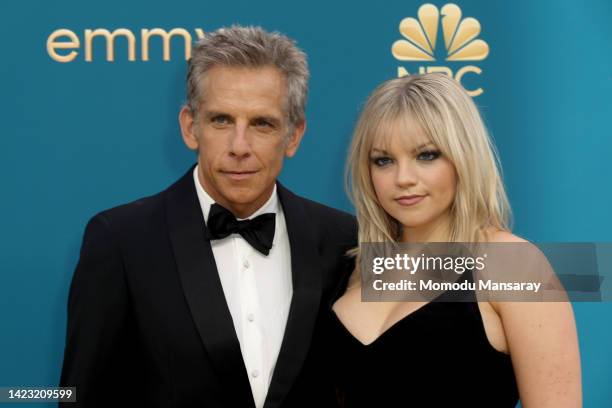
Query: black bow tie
{"x": 259, "y": 232}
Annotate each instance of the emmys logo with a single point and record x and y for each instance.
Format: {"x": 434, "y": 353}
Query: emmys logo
{"x": 64, "y": 45}
{"x": 460, "y": 41}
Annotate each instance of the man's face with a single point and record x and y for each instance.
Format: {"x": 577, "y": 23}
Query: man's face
{"x": 241, "y": 135}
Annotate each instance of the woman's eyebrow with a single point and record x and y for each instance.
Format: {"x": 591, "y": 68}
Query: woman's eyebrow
{"x": 423, "y": 145}
{"x": 416, "y": 149}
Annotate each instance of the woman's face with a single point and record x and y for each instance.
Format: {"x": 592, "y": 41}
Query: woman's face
{"x": 414, "y": 182}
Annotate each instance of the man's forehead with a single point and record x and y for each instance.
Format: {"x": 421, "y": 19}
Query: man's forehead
{"x": 242, "y": 88}
{"x": 244, "y": 78}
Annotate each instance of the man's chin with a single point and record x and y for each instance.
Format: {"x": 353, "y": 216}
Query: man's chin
{"x": 240, "y": 194}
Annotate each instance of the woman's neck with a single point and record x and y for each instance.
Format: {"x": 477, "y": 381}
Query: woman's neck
{"x": 435, "y": 231}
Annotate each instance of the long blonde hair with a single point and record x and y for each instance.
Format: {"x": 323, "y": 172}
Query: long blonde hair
{"x": 451, "y": 120}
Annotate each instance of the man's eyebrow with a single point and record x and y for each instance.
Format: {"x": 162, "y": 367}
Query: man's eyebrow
{"x": 269, "y": 118}
{"x": 212, "y": 113}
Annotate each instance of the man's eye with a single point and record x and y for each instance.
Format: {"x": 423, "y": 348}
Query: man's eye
{"x": 220, "y": 120}
{"x": 262, "y": 123}
{"x": 381, "y": 161}
{"x": 429, "y": 155}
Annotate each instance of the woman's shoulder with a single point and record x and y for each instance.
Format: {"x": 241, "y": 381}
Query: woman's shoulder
{"x": 520, "y": 252}
{"x": 497, "y": 235}
{"x": 494, "y": 236}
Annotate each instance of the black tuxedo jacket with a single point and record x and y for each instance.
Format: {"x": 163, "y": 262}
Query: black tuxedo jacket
{"x": 148, "y": 324}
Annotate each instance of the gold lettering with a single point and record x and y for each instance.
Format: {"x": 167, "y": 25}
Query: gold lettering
{"x": 166, "y": 36}
{"x": 444, "y": 70}
{"x": 110, "y": 43}
{"x": 402, "y": 72}
{"x": 53, "y": 45}
{"x": 199, "y": 33}
{"x": 463, "y": 71}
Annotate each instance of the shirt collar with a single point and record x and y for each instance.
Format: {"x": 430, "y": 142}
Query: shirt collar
{"x": 270, "y": 206}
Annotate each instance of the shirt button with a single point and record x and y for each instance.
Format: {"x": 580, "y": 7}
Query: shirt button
{"x": 245, "y": 263}
{"x": 251, "y": 317}
{"x": 255, "y": 373}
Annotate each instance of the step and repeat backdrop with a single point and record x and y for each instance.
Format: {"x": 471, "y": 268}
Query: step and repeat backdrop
{"x": 91, "y": 93}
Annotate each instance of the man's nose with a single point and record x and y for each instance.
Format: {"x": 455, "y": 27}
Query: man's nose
{"x": 240, "y": 145}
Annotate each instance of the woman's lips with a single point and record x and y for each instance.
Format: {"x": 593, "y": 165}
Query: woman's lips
{"x": 409, "y": 200}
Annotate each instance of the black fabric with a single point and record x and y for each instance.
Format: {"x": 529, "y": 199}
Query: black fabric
{"x": 437, "y": 356}
{"x": 148, "y": 324}
{"x": 258, "y": 232}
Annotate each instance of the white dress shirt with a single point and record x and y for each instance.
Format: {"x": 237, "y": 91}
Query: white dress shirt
{"x": 258, "y": 291}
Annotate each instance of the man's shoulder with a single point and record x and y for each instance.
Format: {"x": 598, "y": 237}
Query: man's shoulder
{"x": 329, "y": 214}
{"x": 329, "y": 220}
{"x": 146, "y": 211}
{"x": 138, "y": 212}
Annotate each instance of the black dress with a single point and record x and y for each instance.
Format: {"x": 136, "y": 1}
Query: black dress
{"x": 437, "y": 356}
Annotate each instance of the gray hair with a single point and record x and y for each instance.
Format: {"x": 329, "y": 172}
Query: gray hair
{"x": 250, "y": 47}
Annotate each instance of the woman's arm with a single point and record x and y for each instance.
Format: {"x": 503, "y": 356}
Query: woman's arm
{"x": 543, "y": 346}
{"x": 541, "y": 337}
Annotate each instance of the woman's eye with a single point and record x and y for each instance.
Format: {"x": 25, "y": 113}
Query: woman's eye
{"x": 428, "y": 155}
{"x": 381, "y": 161}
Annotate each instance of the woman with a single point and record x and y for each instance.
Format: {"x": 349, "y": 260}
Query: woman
{"x": 423, "y": 169}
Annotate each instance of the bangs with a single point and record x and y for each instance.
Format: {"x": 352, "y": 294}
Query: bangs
{"x": 401, "y": 125}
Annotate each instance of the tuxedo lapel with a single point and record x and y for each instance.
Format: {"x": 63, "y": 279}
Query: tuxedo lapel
{"x": 306, "y": 277}
{"x": 203, "y": 290}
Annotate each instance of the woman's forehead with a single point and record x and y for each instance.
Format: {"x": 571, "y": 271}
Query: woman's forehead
{"x": 402, "y": 133}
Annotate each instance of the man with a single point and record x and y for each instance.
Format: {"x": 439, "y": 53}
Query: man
{"x": 178, "y": 300}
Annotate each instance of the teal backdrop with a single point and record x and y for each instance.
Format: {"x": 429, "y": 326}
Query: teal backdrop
{"x": 79, "y": 137}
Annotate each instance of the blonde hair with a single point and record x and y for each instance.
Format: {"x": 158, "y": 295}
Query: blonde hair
{"x": 450, "y": 119}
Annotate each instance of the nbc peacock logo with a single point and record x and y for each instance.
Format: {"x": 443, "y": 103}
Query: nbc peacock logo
{"x": 460, "y": 42}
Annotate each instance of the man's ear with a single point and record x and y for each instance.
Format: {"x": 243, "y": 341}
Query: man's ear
{"x": 188, "y": 126}
{"x": 295, "y": 139}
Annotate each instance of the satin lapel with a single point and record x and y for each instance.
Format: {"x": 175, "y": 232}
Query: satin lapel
{"x": 305, "y": 303}
{"x": 203, "y": 290}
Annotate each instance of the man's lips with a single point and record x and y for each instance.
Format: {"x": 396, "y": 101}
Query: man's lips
{"x": 238, "y": 175}
{"x": 408, "y": 200}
